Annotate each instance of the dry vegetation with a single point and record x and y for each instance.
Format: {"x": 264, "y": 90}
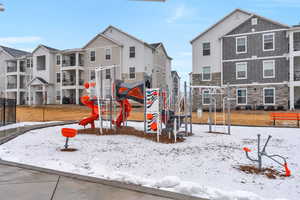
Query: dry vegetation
{"x": 73, "y": 112}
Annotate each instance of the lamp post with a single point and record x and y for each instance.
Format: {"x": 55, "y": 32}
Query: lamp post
{"x": 1, "y": 7}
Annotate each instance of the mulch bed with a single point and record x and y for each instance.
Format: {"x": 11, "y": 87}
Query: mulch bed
{"x": 68, "y": 150}
{"x": 130, "y": 131}
{"x": 268, "y": 172}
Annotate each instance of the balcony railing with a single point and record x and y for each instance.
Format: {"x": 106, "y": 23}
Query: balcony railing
{"x": 11, "y": 86}
{"x": 297, "y": 75}
{"x": 71, "y": 83}
{"x": 297, "y": 46}
{"x": 12, "y": 69}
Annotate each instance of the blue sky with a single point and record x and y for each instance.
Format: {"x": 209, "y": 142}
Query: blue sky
{"x": 66, "y": 24}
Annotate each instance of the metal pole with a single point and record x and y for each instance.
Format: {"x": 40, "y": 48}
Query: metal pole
{"x": 185, "y": 109}
{"x": 229, "y": 109}
{"x": 145, "y": 109}
{"x": 101, "y": 94}
{"x": 258, "y": 152}
{"x": 191, "y": 111}
{"x": 210, "y": 110}
{"x": 110, "y": 104}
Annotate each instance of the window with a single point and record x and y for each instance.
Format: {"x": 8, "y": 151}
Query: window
{"x": 28, "y": 63}
{"x": 205, "y": 97}
{"x": 92, "y": 56}
{"x": 241, "y": 45}
{"x": 241, "y": 70}
{"x": 57, "y": 95}
{"x": 92, "y": 75}
{"x": 58, "y": 60}
{"x": 131, "y": 52}
{"x": 206, "y": 49}
{"x": 58, "y": 77}
{"x": 107, "y": 54}
{"x": 254, "y": 21}
{"x": 241, "y": 96}
{"x": 268, "y": 42}
{"x": 107, "y": 74}
{"x": 269, "y": 95}
{"x": 206, "y": 73}
{"x": 41, "y": 62}
{"x": 131, "y": 72}
{"x": 269, "y": 69}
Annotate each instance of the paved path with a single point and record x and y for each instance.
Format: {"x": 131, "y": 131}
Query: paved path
{"x": 23, "y": 184}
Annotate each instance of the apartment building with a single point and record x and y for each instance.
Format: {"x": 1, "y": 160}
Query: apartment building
{"x": 57, "y": 76}
{"x": 255, "y": 60}
{"x": 13, "y": 72}
{"x": 176, "y": 86}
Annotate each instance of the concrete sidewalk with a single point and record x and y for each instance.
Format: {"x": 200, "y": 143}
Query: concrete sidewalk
{"x": 23, "y": 184}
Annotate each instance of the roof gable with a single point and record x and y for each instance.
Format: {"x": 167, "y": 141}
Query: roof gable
{"x": 100, "y": 35}
{"x": 45, "y": 47}
{"x": 160, "y": 44}
{"x": 14, "y": 52}
{"x": 263, "y": 24}
{"x": 220, "y": 21}
{"x": 37, "y": 81}
{"x": 128, "y": 35}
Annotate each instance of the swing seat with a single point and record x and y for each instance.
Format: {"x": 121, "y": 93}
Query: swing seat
{"x": 68, "y": 132}
{"x": 246, "y": 149}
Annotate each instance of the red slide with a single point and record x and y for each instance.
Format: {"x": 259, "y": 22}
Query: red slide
{"x": 94, "y": 115}
{"x": 124, "y": 111}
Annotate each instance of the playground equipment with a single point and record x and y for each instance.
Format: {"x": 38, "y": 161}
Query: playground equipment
{"x": 103, "y": 100}
{"x": 213, "y": 93}
{"x": 68, "y": 133}
{"x": 261, "y": 153}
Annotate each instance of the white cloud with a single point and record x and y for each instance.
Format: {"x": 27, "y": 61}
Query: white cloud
{"x": 19, "y": 40}
{"x": 179, "y": 12}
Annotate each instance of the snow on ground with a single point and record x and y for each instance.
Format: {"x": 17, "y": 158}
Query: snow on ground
{"x": 202, "y": 166}
{"x": 22, "y": 124}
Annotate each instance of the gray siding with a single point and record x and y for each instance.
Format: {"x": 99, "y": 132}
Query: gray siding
{"x": 262, "y": 25}
{"x": 255, "y": 46}
{"x": 255, "y": 72}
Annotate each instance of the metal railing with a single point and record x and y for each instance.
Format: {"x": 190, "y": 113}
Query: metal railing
{"x": 11, "y": 86}
{"x": 12, "y": 69}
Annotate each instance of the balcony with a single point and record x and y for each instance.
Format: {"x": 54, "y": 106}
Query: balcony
{"x": 70, "y": 60}
{"x": 72, "y": 83}
{"x": 11, "y": 69}
{"x": 11, "y": 86}
{"x": 297, "y": 41}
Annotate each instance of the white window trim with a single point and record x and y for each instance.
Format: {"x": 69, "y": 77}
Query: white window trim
{"x": 134, "y": 74}
{"x": 91, "y": 57}
{"x": 209, "y": 48}
{"x": 205, "y": 104}
{"x": 134, "y": 52}
{"x": 90, "y": 73}
{"x": 273, "y": 97}
{"x": 209, "y": 74}
{"x": 263, "y": 41}
{"x": 236, "y": 45}
{"x": 60, "y": 60}
{"x": 110, "y": 49}
{"x": 236, "y": 71}
{"x": 237, "y": 97}
{"x": 274, "y": 68}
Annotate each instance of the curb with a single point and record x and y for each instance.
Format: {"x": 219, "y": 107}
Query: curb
{"x": 127, "y": 186}
{"x": 22, "y": 130}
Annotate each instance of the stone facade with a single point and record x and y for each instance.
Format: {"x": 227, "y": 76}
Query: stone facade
{"x": 255, "y": 96}
{"x": 198, "y": 98}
